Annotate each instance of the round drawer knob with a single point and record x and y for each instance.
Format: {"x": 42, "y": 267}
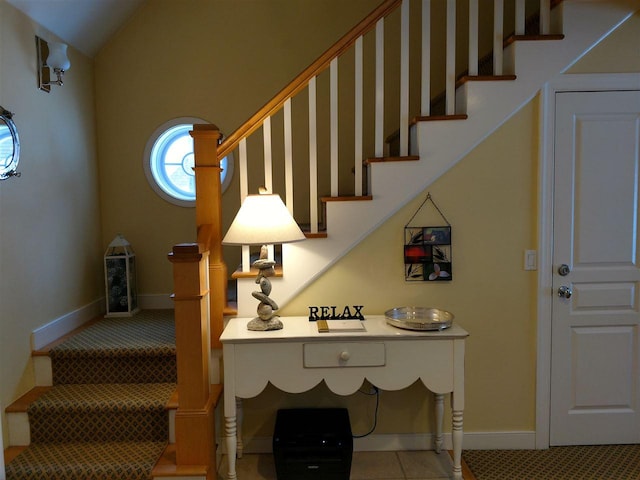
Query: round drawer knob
{"x": 345, "y": 356}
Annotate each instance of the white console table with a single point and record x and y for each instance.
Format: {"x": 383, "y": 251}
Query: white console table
{"x": 297, "y": 358}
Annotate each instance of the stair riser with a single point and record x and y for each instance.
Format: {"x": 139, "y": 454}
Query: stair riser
{"x": 20, "y": 431}
{"x": 42, "y": 371}
{"x": 99, "y": 426}
{"x": 117, "y": 370}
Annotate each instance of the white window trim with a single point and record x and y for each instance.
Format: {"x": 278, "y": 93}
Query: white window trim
{"x": 146, "y": 160}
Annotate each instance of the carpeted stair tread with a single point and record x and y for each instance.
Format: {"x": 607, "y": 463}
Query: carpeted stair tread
{"x": 101, "y": 412}
{"x": 87, "y": 461}
{"x": 138, "y": 349}
{"x": 140, "y": 396}
{"x": 150, "y": 332}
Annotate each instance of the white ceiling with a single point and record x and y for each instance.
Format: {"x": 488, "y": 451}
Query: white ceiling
{"x": 84, "y": 24}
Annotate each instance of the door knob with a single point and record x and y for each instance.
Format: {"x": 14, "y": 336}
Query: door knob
{"x": 565, "y": 292}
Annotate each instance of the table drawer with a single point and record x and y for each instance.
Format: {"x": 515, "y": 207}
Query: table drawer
{"x": 344, "y": 354}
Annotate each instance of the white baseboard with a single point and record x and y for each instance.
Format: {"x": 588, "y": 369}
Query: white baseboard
{"x": 525, "y": 440}
{"x": 161, "y": 301}
{"x": 59, "y": 327}
{"x": 416, "y": 441}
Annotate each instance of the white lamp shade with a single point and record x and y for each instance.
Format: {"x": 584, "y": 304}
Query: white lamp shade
{"x": 58, "y": 56}
{"x": 263, "y": 220}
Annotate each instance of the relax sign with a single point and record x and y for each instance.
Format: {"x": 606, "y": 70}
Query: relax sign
{"x": 333, "y": 313}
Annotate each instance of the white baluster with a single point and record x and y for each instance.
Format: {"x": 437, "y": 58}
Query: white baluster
{"x": 268, "y": 163}
{"x": 379, "y": 116}
{"x": 498, "y": 36}
{"x": 333, "y": 100}
{"x": 545, "y": 17}
{"x": 473, "y": 37}
{"x": 425, "y": 94}
{"x": 288, "y": 156}
{"x": 244, "y": 191}
{"x": 520, "y": 17}
{"x": 404, "y": 79}
{"x": 268, "y": 167}
{"x": 358, "y": 117}
{"x": 313, "y": 158}
{"x": 450, "y": 79}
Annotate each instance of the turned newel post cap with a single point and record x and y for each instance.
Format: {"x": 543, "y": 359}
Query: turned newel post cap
{"x": 205, "y": 129}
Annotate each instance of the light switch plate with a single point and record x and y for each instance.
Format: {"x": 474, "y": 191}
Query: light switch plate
{"x": 530, "y": 260}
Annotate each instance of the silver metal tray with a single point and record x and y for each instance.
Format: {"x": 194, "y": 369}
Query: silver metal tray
{"x": 419, "y": 318}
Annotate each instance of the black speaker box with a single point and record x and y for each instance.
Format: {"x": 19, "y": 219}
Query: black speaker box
{"x": 313, "y": 443}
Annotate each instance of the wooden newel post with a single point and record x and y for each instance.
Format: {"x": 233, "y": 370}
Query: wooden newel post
{"x": 195, "y": 434}
{"x": 209, "y": 220}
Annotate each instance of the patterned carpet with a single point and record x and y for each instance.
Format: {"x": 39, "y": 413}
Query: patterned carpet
{"x": 138, "y": 349}
{"x": 105, "y": 417}
{"x": 82, "y": 461}
{"x": 603, "y": 462}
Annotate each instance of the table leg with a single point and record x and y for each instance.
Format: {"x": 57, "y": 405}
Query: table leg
{"x": 230, "y": 430}
{"x": 439, "y": 404}
{"x": 240, "y": 419}
{"x": 457, "y": 443}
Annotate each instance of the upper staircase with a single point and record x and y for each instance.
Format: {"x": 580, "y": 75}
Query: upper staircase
{"x": 425, "y": 142}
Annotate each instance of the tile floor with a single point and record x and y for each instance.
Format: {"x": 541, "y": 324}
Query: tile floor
{"x": 418, "y": 465}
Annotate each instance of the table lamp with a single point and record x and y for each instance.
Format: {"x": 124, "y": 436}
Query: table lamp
{"x": 263, "y": 220}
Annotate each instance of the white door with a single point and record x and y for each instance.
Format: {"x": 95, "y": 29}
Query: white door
{"x": 595, "y": 356}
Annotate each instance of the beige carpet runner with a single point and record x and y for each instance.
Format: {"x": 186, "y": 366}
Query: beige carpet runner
{"x": 105, "y": 417}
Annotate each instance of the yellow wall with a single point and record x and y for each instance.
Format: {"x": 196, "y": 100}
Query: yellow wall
{"x": 618, "y": 53}
{"x": 220, "y": 61}
{"x": 490, "y": 199}
{"x": 50, "y": 247}
{"x": 490, "y": 295}
{"x": 171, "y": 61}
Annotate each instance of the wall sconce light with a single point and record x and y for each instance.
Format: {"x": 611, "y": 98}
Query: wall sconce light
{"x": 52, "y": 56}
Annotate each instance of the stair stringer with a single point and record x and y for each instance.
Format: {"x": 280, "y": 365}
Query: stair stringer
{"x": 442, "y": 144}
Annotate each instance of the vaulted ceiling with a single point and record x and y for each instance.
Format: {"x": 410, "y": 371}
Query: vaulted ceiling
{"x": 85, "y": 24}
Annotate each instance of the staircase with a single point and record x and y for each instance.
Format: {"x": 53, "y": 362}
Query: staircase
{"x": 105, "y": 413}
{"x": 474, "y": 104}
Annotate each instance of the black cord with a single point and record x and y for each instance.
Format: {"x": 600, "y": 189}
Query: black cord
{"x": 376, "y": 392}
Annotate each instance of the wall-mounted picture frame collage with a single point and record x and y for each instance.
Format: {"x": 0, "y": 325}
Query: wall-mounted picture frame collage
{"x": 427, "y": 250}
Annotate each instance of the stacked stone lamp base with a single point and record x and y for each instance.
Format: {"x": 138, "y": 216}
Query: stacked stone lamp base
{"x": 266, "y": 319}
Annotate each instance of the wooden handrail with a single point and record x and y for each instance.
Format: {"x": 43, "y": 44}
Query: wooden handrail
{"x": 301, "y": 81}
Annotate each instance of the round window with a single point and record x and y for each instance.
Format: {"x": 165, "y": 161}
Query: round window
{"x": 9, "y": 146}
{"x": 169, "y": 162}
